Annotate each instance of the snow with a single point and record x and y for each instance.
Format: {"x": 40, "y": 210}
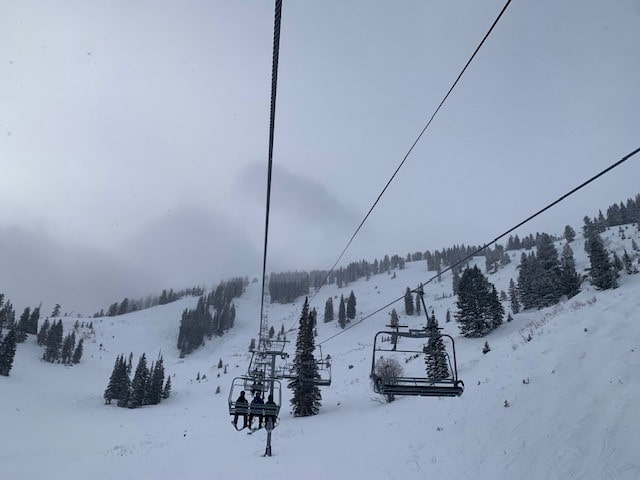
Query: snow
{"x": 577, "y": 418}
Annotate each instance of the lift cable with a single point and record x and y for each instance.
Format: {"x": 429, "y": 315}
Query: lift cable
{"x": 272, "y": 122}
{"x": 528, "y": 219}
{"x": 404, "y": 159}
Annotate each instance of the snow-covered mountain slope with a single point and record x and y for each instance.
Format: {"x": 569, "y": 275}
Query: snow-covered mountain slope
{"x": 576, "y": 418}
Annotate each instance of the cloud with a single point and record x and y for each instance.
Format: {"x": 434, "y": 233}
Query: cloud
{"x": 37, "y": 268}
{"x": 191, "y": 246}
{"x": 308, "y": 223}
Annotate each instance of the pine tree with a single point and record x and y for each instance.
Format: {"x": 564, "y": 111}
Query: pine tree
{"x": 306, "y": 394}
{"x": 56, "y": 311}
{"x": 272, "y": 332}
{"x": 68, "y": 346}
{"x": 603, "y": 275}
{"x": 479, "y": 308}
{"x": 351, "y": 306}
{"x": 156, "y": 380}
{"x": 569, "y": 234}
{"x": 32, "y": 326}
{"x": 328, "y": 310}
{"x": 7, "y": 352}
{"x": 418, "y": 309}
{"x": 342, "y": 314}
{"x": 496, "y": 310}
{"x": 569, "y": 279}
{"x": 448, "y": 316}
{"x": 513, "y": 297}
{"x": 394, "y": 321}
{"x": 435, "y": 354}
{"x": 53, "y": 342}
{"x": 41, "y": 338}
{"x": 138, "y": 396}
{"x": 548, "y": 291}
{"x": 408, "y": 302}
{"x": 112, "y": 390}
{"x": 77, "y": 353}
{"x": 166, "y": 391}
{"x": 23, "y": 325}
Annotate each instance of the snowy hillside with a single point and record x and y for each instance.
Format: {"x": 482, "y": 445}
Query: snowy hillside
{"x": 576, "y": 417}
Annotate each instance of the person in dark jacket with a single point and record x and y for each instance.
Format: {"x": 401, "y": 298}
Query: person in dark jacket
{"x": 256, "y": 406}
{"x": 270, "y": 407}
{"x": 242, "y": 405}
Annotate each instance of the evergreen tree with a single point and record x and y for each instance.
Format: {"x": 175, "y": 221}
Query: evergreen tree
{"x": 455, "y": 281}
{"x": 77, "y": 353}
{"x": 41, "y": 338}
{"x": 166, "y": 391}
{"x": 351, "y": 306}
{"x": 32, "y": 326}
{"x": 7, "y": 352}
{"x": 138, "y": 396}
{"x": 569, "y": 279}
{"x": 342, "y": 314}
{"x": 53, "y": 342}
{"x": 156, "y": 380}
{"x": 328, "y": 310}
{"x": 7, "y": 315}
{"x": 603, "y": 275}
{"x": 418, "y": 309}
{"x": 306, "y": 394}
{"x": 23, "y": 325}
{"x": 393, "y": 323}
{"x": 496, "y": 310}
{"x": 448, "y": 317}
{"x": 548, "y": 291}
{"x": 112, "y": 390}
{"x": 272, "y": 332}
{"x": 569, "y": 234}
{"x": 479, "y": 308}
{"x": 56, "y": 311}
{"x": 408, "y": 302}
{"x": 435, "y": 354}
{"x": 513, "y": 297}
{"x": 68, "y": 346}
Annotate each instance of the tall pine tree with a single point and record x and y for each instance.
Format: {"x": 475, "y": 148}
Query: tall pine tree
{"x": 306, "y": 394}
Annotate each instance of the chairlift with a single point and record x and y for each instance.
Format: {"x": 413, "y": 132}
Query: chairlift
{"x": 323, "y": 364}
{"x": 264, "y": 388}
{"x": 393, "y": 381}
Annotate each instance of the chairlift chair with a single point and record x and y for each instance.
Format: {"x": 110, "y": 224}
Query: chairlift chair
{"x": 266, "y": 387}
{"x": 423, "y": 386}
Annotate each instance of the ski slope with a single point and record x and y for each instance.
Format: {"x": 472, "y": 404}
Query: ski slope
{"x": 576, "y": 418}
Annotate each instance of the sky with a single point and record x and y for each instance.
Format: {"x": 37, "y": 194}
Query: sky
{"x": 133, "y": 137}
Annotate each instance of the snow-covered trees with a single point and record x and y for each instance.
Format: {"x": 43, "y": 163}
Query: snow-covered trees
{"x": 351, "y": 306}
{"x": 479, "y": 308}
{"x": 435, "y": 354}
{"x": 342, "y": 313}
{"x": 328, "y": 310}
{"x": 408, "y": 302}
{"x": 306, "y": 394}
{"x": 603, "y": 274}
{"x": 147, "y": 387}
{"x": 7, "y": 352}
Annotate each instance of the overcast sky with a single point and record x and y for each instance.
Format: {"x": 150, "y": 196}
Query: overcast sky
{"x": 133, "y": 135}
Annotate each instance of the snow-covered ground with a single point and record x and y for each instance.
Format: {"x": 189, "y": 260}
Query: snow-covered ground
{"x": 578, "y": 417}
